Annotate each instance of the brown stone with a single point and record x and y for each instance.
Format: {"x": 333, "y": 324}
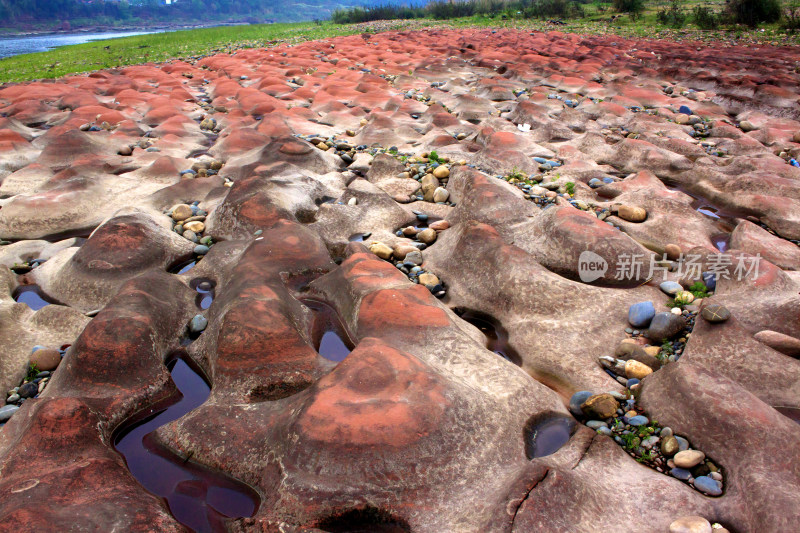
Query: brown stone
{"x": 778, "y": 341}
{"x": 600, "y": 406}
{"x": 631, "y": 213}
{"x": 636, "y": 370}
{"x": 181, "y": 212}
{"x": 428, "y": 236}
{"x": 673, "y": 251}
{"x": 46, "y": 359}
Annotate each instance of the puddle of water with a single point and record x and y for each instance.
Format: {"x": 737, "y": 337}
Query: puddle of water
{"x": 721, "y": 242}
{"x": 496, "y": 335}
{"x": 183, "y": 268}
{"x": 205, "y": 292}
{"x": 708, "y": 211}
{"x": 31, "y": 296}
{"x": 197, "y": 497}
{"x": 546, "y": 435}
{"x": 330, "y": 339}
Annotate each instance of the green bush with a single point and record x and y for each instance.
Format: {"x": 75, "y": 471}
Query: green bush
{"x": 705, "y": 18}
{"x": 673, "y": 16}
{"x": 628, "y": 6}
{"x": 751, "y": 12}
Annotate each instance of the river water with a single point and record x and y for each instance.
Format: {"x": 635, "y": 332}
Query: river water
{"x": 11, "y": 46}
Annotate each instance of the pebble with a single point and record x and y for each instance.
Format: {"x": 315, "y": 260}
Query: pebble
{"x": 198, "y": 324}
{"x": 14, "y": 398}
{"x": 710, "y": 280}
{"x": 441, "y": 172}
{"x": 28, "y": 390}
{"x": 201, "y": 249}
{"x": 636, "y": 370}
{"x": 689, "y": 458}
{"x": 6, "y": 412}
{"x": 670, "y": 287}
{"x": 690, "y": 524}
{"x": 381, "y": 250}
{"x": 715, "y": 313}
{"x": 414, "y": 256}
{"x": 640, "y": 314}
{"x": 631, "y": 213}
{"x": 181, "y": 212}
{"x": 195, "y": 226}
{"x": 440, "y": 194}
{"x": 352, "y": 201}
{"x": 669, "y": 445}
{"x": 578, "y": 399}
{"x": 46, "y": 359}
{"x": 681, "y": 473}
{"x": 664, "y": 326}
{"x": 708, "y": 486}
{"x": 673, "y": 251}
{"x": 638, "y": 420}
{"x": 600, "y": 406}
{"x": 596, "y": 424}
{"x": 685, "y": 110}
{"x": 683, "y": 444}
{"x": 428, "y": 280}
{"x": 427, "y": 236}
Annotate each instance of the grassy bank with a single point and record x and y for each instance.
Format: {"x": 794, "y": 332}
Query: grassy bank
{"x": 187, "y": 44}
{"x": 159, "y": 47}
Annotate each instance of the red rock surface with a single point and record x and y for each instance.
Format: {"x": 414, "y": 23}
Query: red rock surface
{"x": 421, "y": 425}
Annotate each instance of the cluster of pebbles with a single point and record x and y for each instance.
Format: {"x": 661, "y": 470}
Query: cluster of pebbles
{"x": 618, "y": 416}
{"x": 189, "y": 222}
{"x": 407, "y": 257}
{"x": 43, "y": 362}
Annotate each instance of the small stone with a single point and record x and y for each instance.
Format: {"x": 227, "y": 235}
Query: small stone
{"x": 666, "y": 431}
{"x": 352, "y": 201}
{"x": 401, "y": 251}
{"x": 664, "y": 326}
{"x": 708, "y": 486}
{"x": 6, "y": 411}
{"x": 46, "y": 359}
{"x": 631, "y": 213}
{"x": 640, "y": 314}
{"x": 673, "y": 251}
{"x": 428, "y": 280}
{"x": 596, "y": 424}
{"x": 638, "y": 420}
{"x": 441, "y": 172}
{"x": 125, "y": 151}
{"x": 684, "y": 297}
{"x": 196, "y": 226}
{"x": 681, "y": 119}
{"x": 685, "y": 110}
{"x": 577, "y": 400}
{"x": 636, "y": 370}
{"x": 414, "y": 256}
{"x": 746, "y": 126}
{"x": 440, "y": 194}
{"x": 681, "y": 473}
{"x": 439, "y": 225}
{"x": 683, "y": 444}
{"x": 381, "y": 250}
{"x": 690, "y": 524}
{"x": 14, "y": 398}
{"x": 28, "y": 390}
{"x": 427, "y": 236}
{"x": 190, "y": 236}
{"x": 181, "y": 212}
{"x": 669, "y": 445}
{"x": 689, "y": 458}
{"x": 198, "y": 324}
{"x": 780, "y": 342}
{"x": 715, "y": 313}
{"x": 676, "y": 311}
{"x": 201, "y": 249}
{"x": 600, "y": 406}
{"x": 671, "y": 287}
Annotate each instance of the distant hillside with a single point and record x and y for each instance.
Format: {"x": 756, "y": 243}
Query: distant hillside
{"x": 26, "y": 14}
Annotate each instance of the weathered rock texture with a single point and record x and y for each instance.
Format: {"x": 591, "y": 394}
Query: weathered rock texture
{"x": 421, "y": 425}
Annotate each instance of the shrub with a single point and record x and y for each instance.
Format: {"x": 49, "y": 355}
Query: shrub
{"x": 628, "y": 6}
{"x": 673, "y": 16}
{"x": 705, "y": 18}
{"x": 791, "y": 20}
{"x": 751, "y": 12}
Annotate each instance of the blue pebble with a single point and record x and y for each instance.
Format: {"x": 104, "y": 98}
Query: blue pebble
{"x": 608, "y": 180}
{"x": 198, "y": 324}
{"x": 710, "y": 279}
{"x": 680, "y": 473}
{"x": 577, "y": 400}
{"x": 707, "y": 485}
{"x": 540, "y": 160}
{"x": 38, "y": 347}
{"x": 201, "y": 249}
{"x": 554, "y": 163}
{"x": 638, "y": 420}
{"x": 596, "y": 424}
{"x": 671, "y": 287}
{"x": 683, "y": 444}
{"x": 398, "y": 233}
{"x": 595, "y": 183}
{"x": 194, "y": 210}
{"x": 185, "y": 172}
{"x": 685, "y": 110}
{"x": 631, "y": 382}
{"x": 794, "y": 163}
{"x": 422, "y": 218}
{"x": 640, "y": 314}
{"x": 629, "y": 404}
{"x": 604, "y": 431}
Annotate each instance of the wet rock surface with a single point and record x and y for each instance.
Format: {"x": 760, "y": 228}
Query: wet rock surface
{"x": 435, "y": 281}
